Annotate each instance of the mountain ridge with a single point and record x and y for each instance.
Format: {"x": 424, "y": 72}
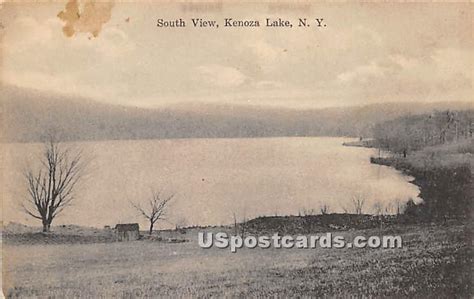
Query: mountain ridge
{"x": 28, "y": 114}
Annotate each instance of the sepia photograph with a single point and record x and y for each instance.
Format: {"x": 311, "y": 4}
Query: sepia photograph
{"x": 192, "y": 149}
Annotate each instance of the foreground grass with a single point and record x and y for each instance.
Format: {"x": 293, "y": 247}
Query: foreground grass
{"x": 434, "y": 262}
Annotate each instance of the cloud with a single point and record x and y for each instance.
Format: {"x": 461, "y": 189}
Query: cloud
{"x": 454, "y": 62}
{"x": 220, "y": 76}
{"x": 444, "y": 74}
{"x": 265, "y": 52}
{"x": 364, "y": 55}
{"x": 38, "y": 55}
{"x": 42, "y": 81}
{"x": 362, "y": 73}
{"x": 403, "y": 61}
{"x": 58, "y": 83}
{"x": 27, "y": 33}
{"x": 268, "y": 84}
{"x": 442, "y": 65}
{"x": 113, "y": 43}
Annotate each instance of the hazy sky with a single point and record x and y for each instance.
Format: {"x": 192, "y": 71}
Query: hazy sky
{"x": 368, "y": 53}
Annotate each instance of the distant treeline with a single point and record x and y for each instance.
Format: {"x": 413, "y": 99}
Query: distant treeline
{"x": 411, "y": 133}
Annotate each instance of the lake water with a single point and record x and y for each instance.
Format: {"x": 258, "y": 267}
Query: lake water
{"x": 214, "y": 178}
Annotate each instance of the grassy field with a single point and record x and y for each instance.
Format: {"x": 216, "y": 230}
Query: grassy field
{"x": 450, "y": 154}
{"x": 434, "y": 262}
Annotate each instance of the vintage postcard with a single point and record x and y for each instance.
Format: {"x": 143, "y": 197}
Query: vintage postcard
{"x": 190, "y": 149}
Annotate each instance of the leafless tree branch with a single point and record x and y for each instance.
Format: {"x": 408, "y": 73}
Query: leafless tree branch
{"x": 51, "y": 188}
{"x": 156, "y": 210}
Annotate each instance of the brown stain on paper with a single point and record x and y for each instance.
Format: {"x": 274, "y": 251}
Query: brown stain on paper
{"x": 88, "y": 16}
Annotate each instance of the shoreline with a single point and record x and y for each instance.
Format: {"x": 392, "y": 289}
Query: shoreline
{"x": 446, "y": 189}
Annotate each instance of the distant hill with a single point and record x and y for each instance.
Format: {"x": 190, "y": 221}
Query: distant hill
{"x": 28, "y": 114}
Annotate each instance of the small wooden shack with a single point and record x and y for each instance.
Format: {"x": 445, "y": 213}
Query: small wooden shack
{"x": 127, "y": 231}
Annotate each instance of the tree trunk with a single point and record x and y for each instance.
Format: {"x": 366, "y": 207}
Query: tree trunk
{"x": 151, "y": 228}
{"x": 46, "y": 227}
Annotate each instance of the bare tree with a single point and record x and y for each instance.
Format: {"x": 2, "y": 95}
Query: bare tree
{"x": 236, "y": 229}
{"x": 378, "y": 208}
{"x": 399, "y": 206}
{"x": 344, "y": 209}
{"x": 240, "y": 227}
{"x": 51, "y": 187}
{"x": 243, "y": 226}
{"x": 156, "y": 209}
{"x": 358, "y": 202}
{"x": 324, "y": 209}
{"x": 389, "y": 208}
{"x": 306, "y": 212}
